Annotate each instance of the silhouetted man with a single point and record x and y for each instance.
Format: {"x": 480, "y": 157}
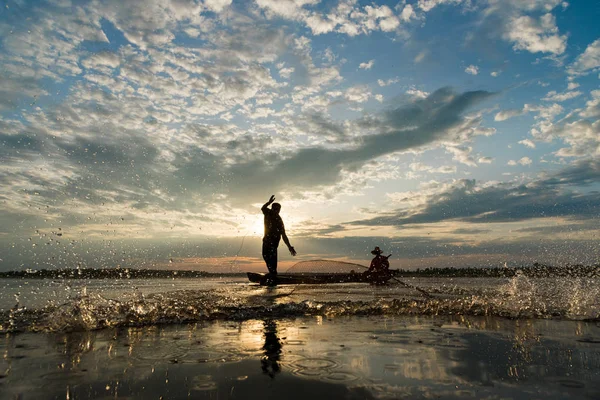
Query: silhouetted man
{"x": 274, "y": 231}
{"x": 379, "y": 270}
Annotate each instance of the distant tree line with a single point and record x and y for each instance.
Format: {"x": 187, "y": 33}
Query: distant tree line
{"x": 536, "y": 270}
{"x": 112, "y": 273}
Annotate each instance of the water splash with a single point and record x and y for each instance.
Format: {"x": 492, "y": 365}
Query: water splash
{"x": 519, "y": 297}
{"x": 570, "y": 298}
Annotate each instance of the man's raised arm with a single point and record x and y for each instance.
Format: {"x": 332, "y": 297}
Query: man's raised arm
{"x": 268, "y": 203}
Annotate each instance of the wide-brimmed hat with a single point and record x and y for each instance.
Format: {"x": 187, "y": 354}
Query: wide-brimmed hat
{"x": 377, "y": 250}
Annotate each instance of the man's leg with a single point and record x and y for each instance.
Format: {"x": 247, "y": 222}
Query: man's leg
{"x": 269, "y": 252}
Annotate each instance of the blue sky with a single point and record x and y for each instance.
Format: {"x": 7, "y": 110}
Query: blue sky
{"x": 449, "y": 132}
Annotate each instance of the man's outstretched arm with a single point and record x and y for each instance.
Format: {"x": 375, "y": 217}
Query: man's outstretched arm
{"x": 287, "y": 242}
{"x": 268, "y": 203}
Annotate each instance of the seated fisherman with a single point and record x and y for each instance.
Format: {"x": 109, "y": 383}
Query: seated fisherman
{"x": 380, "y": 266}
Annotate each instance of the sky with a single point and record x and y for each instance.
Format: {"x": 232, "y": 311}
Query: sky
{"x": 447, "y": 132}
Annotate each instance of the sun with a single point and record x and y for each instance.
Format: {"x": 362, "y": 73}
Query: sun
{"x": 257, "y": 226}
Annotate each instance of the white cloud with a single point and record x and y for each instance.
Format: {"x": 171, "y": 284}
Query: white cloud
{"x": 592, "y": 109}
{"x": 472, "y": 70}
{"x": 286, "y": 72}
{"x": 358, "y": 94}
{"x": 290, "y": 9}
{"x": 506, "y": 114}
{"x": 407, "y": 13}
{"x": 536, "y": 36}
{"x": 485, "y": 160}
{"x": 421, "y": 56}
{"x": 106, "y": 59}
{"x": 462, "y": 154}
{"x": 523, "y": 161}
{"x": 420, "y": 167}
{"x": 416, "y": 93}
{"x": 588, "y": 61}
{"x": 528, "y": 143}
{"x": 391, "y": 81}
{"x": 583, "y": 138}
{"x": 495, "y": 74}
{"x": 553, "y": 96}
{"x": 428, "y": 5}
{"x": 367, "y": 65}
{"x": 217, "y": 5}
{"x": 347, "y": 17}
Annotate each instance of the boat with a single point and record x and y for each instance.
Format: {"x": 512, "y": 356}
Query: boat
{"x": 316, "y": 278}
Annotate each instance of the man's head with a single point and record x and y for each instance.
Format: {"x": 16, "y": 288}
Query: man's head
{"x": 377, "y": 251}
{"x": 276, "y": 207}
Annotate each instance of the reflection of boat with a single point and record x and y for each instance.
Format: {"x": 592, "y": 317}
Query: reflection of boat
{"x": 316, "y": 278}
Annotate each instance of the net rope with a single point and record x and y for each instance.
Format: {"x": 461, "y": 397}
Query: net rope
{"x": 325, "y": 266}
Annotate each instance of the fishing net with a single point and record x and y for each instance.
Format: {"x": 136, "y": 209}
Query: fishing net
{"x": 326, "y": 266}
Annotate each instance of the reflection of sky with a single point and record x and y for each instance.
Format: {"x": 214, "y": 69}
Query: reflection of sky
{"x": 371, "y": 357}
{"x": 404, "y": 124}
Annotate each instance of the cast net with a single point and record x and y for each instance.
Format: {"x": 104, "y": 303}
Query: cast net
{"x": 325, "y": 266}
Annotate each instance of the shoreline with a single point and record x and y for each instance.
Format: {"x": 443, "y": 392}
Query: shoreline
{"x": 532, "y": 271}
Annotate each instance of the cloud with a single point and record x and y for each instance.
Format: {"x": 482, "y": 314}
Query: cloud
{"x": 523, "y": 161}
{"x": 588, "y": 61}
{"x": 462, "y": 154}
{"x": 346, "y": 18}
{"x": 536, "y": 36}
{"x": 420, "y": 167}
{"x": 553, "y": 96}
{"x": 412, "y": 126}
{"x": 421, "y": 56}
{"x": 495, "y": 74}
{"x": 527, "y": 143}
{"x": 468, "y": 201}
{"x": 408, "y": 13}
{"x": 367, "y": 65}
{"x": 137, "y": 166}
{"x": 582, "y": 136}
{"x": 507, "y": 114}
{"x": 391, "y": 81}
{"x": 528, "y": 25}
{"x": 286, "y": 72}
{"x": 416, "y": 93}
{"x": 472, "y": 70}
{"x": 428, "y": 5}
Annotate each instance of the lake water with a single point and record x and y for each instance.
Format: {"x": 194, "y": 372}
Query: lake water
{"x": 491, "y": 338}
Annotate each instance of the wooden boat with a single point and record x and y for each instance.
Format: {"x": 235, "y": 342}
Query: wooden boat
{"x": 316, "y": 279}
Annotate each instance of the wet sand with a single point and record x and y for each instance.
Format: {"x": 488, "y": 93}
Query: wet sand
{"x": 381, "y": 357}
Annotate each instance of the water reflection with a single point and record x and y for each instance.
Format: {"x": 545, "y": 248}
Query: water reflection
{"x": 375, "y": 357}
{"x": 272, "y": 349}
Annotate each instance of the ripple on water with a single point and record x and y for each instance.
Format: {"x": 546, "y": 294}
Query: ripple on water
{"x": 313, "y": 367}
{"x": 315, "y": 363}
{"x": 295, "y": 342}
{"x": 210, "y": 356}
{"x": 160, "y": 353}
{"x": 339, "y": 377}
{"x": 571, "y": 383}
{"x": 203, "y": 383}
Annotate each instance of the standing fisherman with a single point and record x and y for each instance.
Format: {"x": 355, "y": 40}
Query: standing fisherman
{"x": 274, "y": 231}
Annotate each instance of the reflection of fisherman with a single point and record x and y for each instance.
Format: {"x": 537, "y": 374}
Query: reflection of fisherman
{"x": 272, "y": 347}
{"x": 274, "y": 231}
{"x": 379, "y": 270}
